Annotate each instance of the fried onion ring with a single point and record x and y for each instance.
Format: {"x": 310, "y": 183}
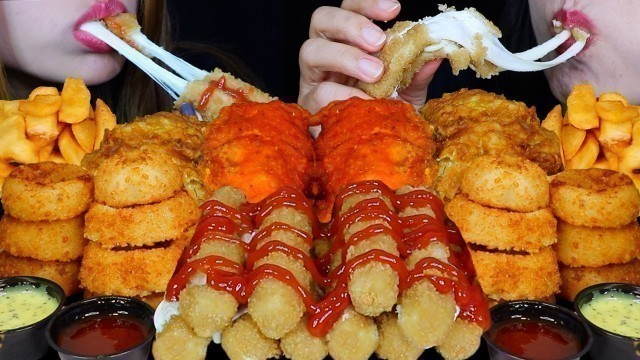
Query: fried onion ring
{"x": 137, "y": 177}
{"x": 62, "y": 273}
{"x": 47, "y": 191}
{"x": 585, "y": 246}
{"x": 59, "y": 240}
{"x": 140, "y": 225}
{"x": 506, "y": 182}
{"x": 502, "y": 229}
{"x": 130, "y": 271}
{"x": 576, "y": 279}
{"x": 517, "y": 276}
{"x": 594, "y": 197}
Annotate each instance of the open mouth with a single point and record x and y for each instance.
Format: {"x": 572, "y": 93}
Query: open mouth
{"x": 570, "y": 19}
{"x": 97, "y": 11}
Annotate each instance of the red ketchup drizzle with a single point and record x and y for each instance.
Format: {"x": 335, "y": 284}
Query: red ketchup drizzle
{"x": 411, "y": 233}
{"x": 220, "y": 84}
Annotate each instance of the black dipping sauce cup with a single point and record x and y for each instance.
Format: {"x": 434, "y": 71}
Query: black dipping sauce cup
{"x": 29, "y": 342}
{"x": 541, "y": 312}
{"x": 607, "y": 344}
{"x": 104, "y": 306}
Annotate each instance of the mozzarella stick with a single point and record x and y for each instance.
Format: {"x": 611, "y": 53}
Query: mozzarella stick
{"x": 373, "y": 287}
{"x": 393, "y": 344}
{"x": 177, "y": 341}
{"x": 353, "y": 337}
{"x": 244, "y": 340}
{"x": 299, "y": 344}
{"x": 274, "y": 305}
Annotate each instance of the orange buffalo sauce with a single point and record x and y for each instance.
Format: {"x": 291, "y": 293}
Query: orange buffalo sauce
{"x": 411, "y": 233}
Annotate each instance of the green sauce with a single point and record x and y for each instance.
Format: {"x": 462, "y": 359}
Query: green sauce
{"x": 23, "y": 305}
{"x": 614, "y": 311}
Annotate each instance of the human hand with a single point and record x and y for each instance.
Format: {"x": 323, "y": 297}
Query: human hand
{"x": 338, "y": 54}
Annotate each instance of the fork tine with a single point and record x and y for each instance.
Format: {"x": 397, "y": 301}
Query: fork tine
{"x": 546, "y": 47}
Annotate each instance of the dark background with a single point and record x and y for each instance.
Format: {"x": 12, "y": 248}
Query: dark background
{"x": 266, "y": 36}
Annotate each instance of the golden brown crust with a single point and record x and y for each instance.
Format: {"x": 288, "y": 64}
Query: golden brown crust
{"x": 129, "y": 271}
{"x": 506, "y": 182}
{"x": 47, "y": 191}
{"x": 58, "y": 240}
{"x": 472, "y": 123}
{"x": 502, "y": 229}
{"x": 594, "y": 197}
{"x": 576, "y": 279}
{"x": 514, "y": 276}
{"x": 595, "y": 246}
{"x": 137, "y": 177}
{"x": 141, "y": 225}
{"x": 64, "y": 274}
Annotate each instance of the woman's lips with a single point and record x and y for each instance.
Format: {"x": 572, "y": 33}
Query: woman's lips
{"x": 571, "y": 19}
{"x": 99, "y": 10}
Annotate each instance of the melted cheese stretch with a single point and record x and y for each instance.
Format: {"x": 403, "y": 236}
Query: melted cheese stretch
{"x": 614, "y": 311}
{"x": 23, "y": 305}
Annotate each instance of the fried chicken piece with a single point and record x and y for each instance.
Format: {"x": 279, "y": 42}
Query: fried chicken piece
{"x": 472, "y": 123}
{"x": 258, "y": 148}
{"x": 371, "y": 140}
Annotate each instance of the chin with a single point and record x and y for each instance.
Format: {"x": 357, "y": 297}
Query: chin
{"x": 98, "y": 68}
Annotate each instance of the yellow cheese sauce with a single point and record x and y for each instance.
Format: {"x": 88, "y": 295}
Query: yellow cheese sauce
{"x": 614, "y": 311}
{"x": 22, "y": 305}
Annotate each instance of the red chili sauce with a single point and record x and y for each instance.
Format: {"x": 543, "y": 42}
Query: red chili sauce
{"x": 533, "y": 339}
{"x": 102, "y": 335}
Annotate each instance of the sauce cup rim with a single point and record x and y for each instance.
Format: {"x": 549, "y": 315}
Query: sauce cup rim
{"x": 605, "y": 286}
{"x": 110, "y": 299}
{"x": 530, "y": 303}
{"x": 31, "y": 280}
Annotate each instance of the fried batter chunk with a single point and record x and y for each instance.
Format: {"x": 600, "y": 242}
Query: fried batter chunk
{"x": 472, "y": 123}
{"x": 258, "y": 148}
{"x": 371, "y": 140}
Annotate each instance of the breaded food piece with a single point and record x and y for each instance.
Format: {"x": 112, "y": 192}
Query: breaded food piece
{"x": 405, "y": 42}
{"x": 224, "y": 248}
{"x": 594, "y": 197}
{"x": 177, "y": 341}
{"x": 471, "y": 123}
{"x": 58, "y": 240}
{"x": 275, "y": 307}
{"x": 595, "y": 246}
{"x": 373, "y": 288}
{"x": 129, "y": 271}
{"x": 141, "y": 225}
{"x": 47, "y": 191}
{"x": 462, "y": 341}
{"x": 299, "y": 344}
{"x": 393, "y": 344}
{"x": 418, "y": 318}
{"x": 289, "y": 215}
{"x": 206, "y": 310}
{"x": 379, "y": 140}
{"x": 137, "y": 177}
{"x": 576, "y": 279}
{"x": 258, "y": 159}
{"x": 502, "y": 229}
{"x": 513, "y": 276}
{"x": 220, "y": 89}
{"x": 62, "y": 273}
{"x": 243, "y": 340}
{"x": 506, "y": 182}
{"x": 353, "y": 337}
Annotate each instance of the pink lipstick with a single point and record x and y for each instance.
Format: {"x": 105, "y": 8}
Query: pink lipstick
{"x": 571, "y": 19}
{"x": 99, "y": 10}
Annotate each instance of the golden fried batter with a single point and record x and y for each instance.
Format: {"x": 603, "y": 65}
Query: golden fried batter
{"x": 371, "y": 140}
{"x": 472, "y": 123}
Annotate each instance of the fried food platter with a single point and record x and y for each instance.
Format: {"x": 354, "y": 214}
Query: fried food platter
{"x": 391, "y": 232}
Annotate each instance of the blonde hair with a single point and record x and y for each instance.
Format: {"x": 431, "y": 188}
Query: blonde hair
{"x": 131, "y": 93}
